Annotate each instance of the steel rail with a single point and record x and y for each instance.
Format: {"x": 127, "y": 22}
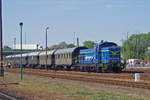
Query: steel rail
{"x": 87, "y": 79}
{"x": 4, "y": 96}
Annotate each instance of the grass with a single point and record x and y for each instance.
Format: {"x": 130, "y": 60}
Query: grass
{"x": 41, "y": 88}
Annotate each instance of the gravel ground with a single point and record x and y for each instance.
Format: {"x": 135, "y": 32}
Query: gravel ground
{"x": 46, "y": 88}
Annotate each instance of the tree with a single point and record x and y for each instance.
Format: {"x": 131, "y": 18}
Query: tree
{"x": 70, "y": 45}
{"x": 62, "y": 45}
{"x": 136, "y": 46}
{"x": 89, "y": 44}
{"x": 6, "y": 48}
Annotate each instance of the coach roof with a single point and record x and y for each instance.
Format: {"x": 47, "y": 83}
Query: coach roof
{"x": 69, "y": 50}
{"x": 33, "y": 53}
{"x": 65, "y": 50}
{"x": 49, "y": 52}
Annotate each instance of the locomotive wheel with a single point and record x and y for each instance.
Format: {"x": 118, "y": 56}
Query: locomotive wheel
{"x": 97, "y": 69}
{"x": 103, "y": 70}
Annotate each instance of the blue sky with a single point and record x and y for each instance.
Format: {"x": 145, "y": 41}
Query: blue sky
{"x": 94, "y": 20}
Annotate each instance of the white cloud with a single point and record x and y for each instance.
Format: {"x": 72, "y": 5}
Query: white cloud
{"x": 69, "y": 8}
{"x": 108, "y": 6}
{"x": 123, "y": 6}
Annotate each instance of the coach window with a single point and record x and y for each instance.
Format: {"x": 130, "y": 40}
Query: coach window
{"x": 64, "y": 55}
{"x": 69, "y": 55}
{"x": 58, "y": 56}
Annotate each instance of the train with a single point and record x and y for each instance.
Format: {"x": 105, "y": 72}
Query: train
{"x": 103, "y": 57}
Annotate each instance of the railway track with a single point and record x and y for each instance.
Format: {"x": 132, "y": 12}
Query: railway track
{"x": 4, "y": 96}
{"x": 139, "y": 69}
{"x": 127, "y": 76}
{"x": 70, "y": 76}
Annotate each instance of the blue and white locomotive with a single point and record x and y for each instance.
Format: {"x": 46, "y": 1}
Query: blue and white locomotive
{"x": 104, "y": 57}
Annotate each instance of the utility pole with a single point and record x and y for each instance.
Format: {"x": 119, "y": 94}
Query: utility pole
{"x": 128, "y": 44}
{"x": 21, "y": 76}
{"x": 25, "y": 39}
{"x": 122, "y": 41}
{"x": 1, "y": 43}
{"x": 14, "y": 43}
{"x": 77, "y": 43}
{"x": 136, "y": 46}
{"x": 74, "y": 38}
{"x": 46, "y": 46}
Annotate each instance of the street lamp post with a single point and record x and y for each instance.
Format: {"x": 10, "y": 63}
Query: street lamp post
{"x": 1, "y": 44}
{"x": 21, "y": 76}
{"x": 46, "y": 46}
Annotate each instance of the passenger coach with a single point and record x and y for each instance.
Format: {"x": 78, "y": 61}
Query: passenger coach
{"x": 50, "y": 59}
{"x": 67, "y": 57}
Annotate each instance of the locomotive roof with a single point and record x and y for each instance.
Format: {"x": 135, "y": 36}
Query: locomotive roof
{"x": 49, "y": 52}
{"x": 110, "y": 47}
{"x": 107, "y": 43}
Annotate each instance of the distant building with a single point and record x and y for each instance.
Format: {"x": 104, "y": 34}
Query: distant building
{"x": 148, "y": 50}
{"x": 27, "y": 47}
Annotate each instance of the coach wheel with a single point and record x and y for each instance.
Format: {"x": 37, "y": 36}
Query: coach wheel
{"x": 68, "y": 68}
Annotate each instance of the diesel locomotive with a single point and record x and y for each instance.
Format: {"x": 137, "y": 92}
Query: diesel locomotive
{"x": 104, "y": 57}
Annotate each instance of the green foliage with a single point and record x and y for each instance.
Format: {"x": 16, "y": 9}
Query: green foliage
{"x": 6, "y": 47}
{"x": 89, "y": 44}
{"x": 105, "y": 66}
{"x": 70, "y": 45}
{"x": 136, "y": 46}
{"x": 147, "y": 57}
{"x": 62, "y": 45}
